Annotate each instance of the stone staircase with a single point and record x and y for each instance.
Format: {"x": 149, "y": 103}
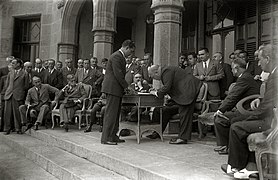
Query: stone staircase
{"x": 55, "y": 154}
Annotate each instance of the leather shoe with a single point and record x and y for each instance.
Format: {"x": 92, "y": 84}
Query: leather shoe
{"x": 36, "y": 126}
{"x": 66, "y": 127}
{"x": 120, "y": 141}
{"x": 244, "y": 174}
{"x": 220, "y": 148}
{"x": 108, "y": 143}
{"x": 224, "y": 151}
{"x": 178, "y": 141}
{"x": 227, "y": 168}
{"x": 154, "y": 135}
{"x": 89, "y": 129}
{"x": 19, "y": 132}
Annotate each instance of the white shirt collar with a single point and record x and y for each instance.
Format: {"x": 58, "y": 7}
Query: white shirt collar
{"x": 122, "y": 53}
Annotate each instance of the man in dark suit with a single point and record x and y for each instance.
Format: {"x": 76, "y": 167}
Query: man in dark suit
{"x": 14, "y": 96}
{"x": 39, "y": 70}
{"x": 146, "y": 62}
{"x": 244, "y": 86}
{"x": 114, "y": 85}
{"x": 240, "y": 157}
{"x": 68, "y": 69}
{"x": 252, "y": 64}
{"x": 3, "y": 76}
{"x": 53, "y": 77}
{"x": 183, "y": 88}
{"x": 37, "y": 101}
{"x": 90, "y": 76}
{"x": 209, "y": 71}
{"x": 131, "y": 70}
{"x": 228, "y": 78}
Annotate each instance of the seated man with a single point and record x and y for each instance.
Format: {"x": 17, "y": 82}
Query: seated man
{"x": 37, "y": 102}
{"x": 244, "y": 86}
{"x": 73, "y": 94}
{"x": 241, "y": 162}
{"x": 98, "y": 106}
{"x": 139, "y": 85}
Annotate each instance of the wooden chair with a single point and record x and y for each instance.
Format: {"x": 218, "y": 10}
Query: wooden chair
{"x": 78, "y": 113}
{"x": 265, "y": 145}
{"x": 200, "y": 107}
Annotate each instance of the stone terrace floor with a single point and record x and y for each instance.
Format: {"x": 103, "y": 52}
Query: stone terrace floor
{"x": 195, "y": 160}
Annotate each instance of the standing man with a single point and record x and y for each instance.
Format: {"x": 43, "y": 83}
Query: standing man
{"x": 192, "y": 59}
{"x": 39, "y": 70}
{"x": 69, "y": 69}
{"x": 14, "y": 96}
{"x": 114, "y": 85}
{"x": 131, "y": 70}
{"x": 209, "y": 71}
{"x": 183, "y": 88}
{"x": 80, "y": 64}
{"x": 228, "y": 78}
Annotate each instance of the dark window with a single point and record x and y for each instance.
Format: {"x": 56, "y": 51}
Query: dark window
{"x": 26, "y": 38}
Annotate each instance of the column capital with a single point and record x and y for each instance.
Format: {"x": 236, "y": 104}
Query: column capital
{"x": 177, "y": 4}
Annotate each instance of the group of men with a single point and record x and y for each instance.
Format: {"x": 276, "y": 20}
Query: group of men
{"x": 27, "y": 92}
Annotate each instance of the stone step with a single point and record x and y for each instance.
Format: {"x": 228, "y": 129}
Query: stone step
{"x": 148, "y": 160}
{"x": 61, "y": 164}
{"x": 14, "y": 166}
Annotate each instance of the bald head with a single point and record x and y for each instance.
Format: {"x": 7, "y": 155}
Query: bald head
{"x": 28, "y": 66}
{"x": 155, "y": 72}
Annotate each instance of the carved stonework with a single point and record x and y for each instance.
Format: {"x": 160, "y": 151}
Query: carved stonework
{"x": 60, "y": 4}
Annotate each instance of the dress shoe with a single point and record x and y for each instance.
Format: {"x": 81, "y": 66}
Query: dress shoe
{"x": 108, "y": 143}
{"x": 120, "y": 141}
{"x": 220, "y": 148}
{"x": 89, "y": 129}
{"x": 154, "y": 135}
{"x": 243, "y": 174}
{"x": 19, "y": 132}
{"x": 66, "y": 126}
{"x": 36, "y": 126}
{"x": 62, "y": 124}
{"x": 178, "y": 141}
{"x": 254, "y": 176}
{"x": 224, "y": 151}
{"x": 227, "y": 168}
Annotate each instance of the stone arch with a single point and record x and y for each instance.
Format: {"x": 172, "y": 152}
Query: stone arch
{"x": 67, "y": 48}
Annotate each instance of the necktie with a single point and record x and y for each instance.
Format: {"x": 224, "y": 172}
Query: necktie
{"x": 38, "y": 90}
{"x": 206, "y": 67}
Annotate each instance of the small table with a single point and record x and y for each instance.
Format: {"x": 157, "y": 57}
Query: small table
{"x": 142, "y": 100}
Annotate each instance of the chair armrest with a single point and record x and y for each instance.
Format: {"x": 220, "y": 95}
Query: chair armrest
{"x": 240, "y": 107}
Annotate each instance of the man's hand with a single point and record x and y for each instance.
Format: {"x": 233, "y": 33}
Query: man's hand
{"x": 207, "y": 78}
{"x": 255, "y": 104}
{"x": 202, "y": 77}
{"x": 153, "y": 92}
{"x": 218, "y": 113}
{"x": 257, "y": 77}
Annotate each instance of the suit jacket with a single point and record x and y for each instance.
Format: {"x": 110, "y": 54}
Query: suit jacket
{"x": 54, "y": 79}
{"x": 16, "y": 85}
{"x": 37, "y": 99}
{"x": 77, "y": 92}
{"x": 4, "y": 71}
{"x": 65, "y": 72}
{"x": 253, "y": 68}
{"x": 245, "y": 86}
{"x": 130, "y": 72}
{"x": 145, "y": 74}
{"x": 265, "y": 109}
{"x": 114, "y": 81}
{"x": 227, "y": 80}
{"x": 214, "y": 72}
{"x": 42, "y": 74}
{"x": 180, "y": 84}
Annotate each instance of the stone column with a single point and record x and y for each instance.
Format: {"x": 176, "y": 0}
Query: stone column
{"x": 201, "y": 25}
{"x": 167, "y": 24}
{"x": 103, "y": 28}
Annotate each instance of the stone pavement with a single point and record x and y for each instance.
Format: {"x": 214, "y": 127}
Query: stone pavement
{"x": 151, "y": 159}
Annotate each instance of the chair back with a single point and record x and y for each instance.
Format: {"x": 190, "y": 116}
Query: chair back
{"x": 202, "y": 97}
{"x": 273, "y": 135}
